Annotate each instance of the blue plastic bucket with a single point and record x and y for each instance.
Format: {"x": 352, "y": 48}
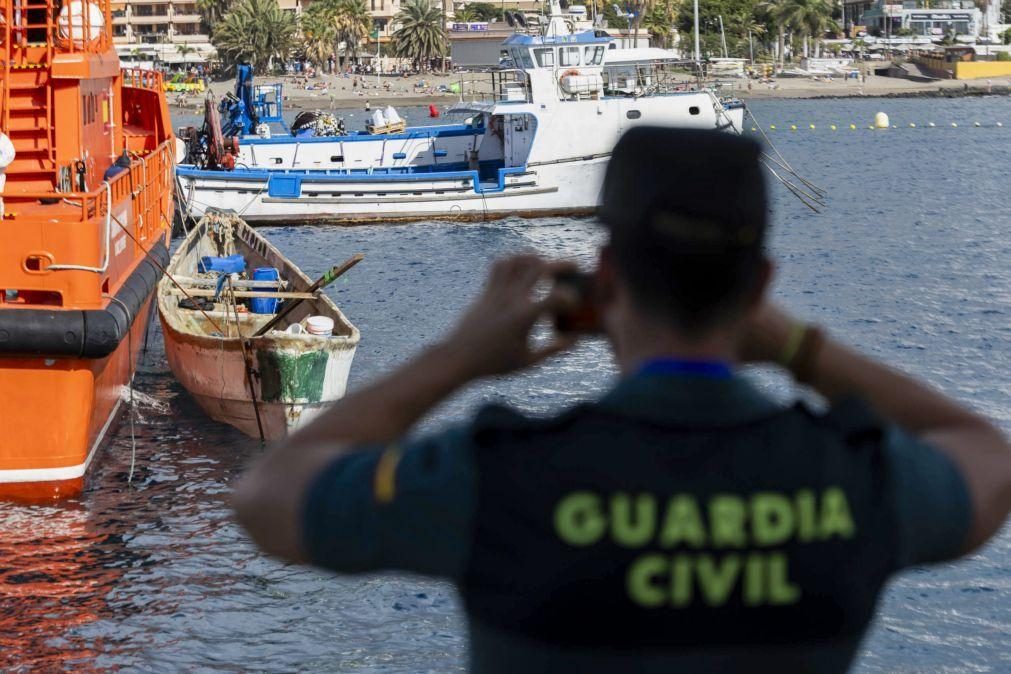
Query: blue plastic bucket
{"x": 264, "y": 305}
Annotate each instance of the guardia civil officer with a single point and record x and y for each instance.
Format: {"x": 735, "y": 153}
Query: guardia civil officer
{"x": 684, "y": 521}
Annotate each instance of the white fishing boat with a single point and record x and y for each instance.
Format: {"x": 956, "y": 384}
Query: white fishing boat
{"x": 263, "y": 384}
{"x": 537, "y": 146}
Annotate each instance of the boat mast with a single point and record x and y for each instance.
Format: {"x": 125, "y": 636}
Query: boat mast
{"x": 698, "y": 52}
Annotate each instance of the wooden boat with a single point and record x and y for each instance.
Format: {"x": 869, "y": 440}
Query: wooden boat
{"x": 294, "y": 376}
{"x": 86, "y": 206}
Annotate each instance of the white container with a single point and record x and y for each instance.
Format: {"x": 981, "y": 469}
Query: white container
{"x": 295, "y": 329}
{"x": 319, "y": 325}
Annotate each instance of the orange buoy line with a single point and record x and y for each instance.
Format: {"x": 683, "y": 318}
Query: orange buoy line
{"x": 86, "y": 211}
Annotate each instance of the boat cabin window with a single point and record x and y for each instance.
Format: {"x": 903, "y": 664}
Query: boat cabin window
{"x": 545, "y": 57}
{"x": 593, "y": 56}
{"x": 569, "y": 56}
{"x": 521, "y": 58}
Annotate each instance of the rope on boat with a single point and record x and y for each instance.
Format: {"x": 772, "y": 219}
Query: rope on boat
{"x": 133, "y": 407}
{"x": 821, "y": 193}
{"x": 815, "y": 199}
{"x": 245, "y": 361}
{"x": 167, "y": 274}
{"x": 796, "y": 191}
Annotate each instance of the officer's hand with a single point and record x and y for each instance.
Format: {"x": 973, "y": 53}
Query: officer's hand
{"x": 766, "y": 334}
{"x": 493, "y": 336}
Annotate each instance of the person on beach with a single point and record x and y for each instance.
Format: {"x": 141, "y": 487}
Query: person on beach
{"x": 685, "y": 521}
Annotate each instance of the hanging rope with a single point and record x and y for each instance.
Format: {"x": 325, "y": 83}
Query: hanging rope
{"x": 133, "y": 373}
{"x": 813, "y": 199}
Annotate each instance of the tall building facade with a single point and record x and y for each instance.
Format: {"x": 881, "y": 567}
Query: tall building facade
{"x": 158, "y": 29}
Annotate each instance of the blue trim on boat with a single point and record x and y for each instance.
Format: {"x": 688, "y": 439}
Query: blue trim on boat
{"x": 446, "y": 131}
{"x": 288, "y": 184}
{"x": 586, "y": 37}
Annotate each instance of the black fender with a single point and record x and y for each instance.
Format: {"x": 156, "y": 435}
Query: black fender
{"x": 76, "y": 333}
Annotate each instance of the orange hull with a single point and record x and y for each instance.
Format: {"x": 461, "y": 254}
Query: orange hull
{"x": 87, "y": 205}
{"x": 63, "y": 412}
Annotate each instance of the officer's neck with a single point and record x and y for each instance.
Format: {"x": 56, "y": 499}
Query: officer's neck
{"x": 640, "y": 340}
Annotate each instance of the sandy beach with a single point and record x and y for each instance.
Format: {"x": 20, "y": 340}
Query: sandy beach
{"x": 330, "y": 92}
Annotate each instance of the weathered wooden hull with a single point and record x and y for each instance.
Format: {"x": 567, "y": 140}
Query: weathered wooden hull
{"x": 298, "y": 377}
{"x": 295, "y": 376}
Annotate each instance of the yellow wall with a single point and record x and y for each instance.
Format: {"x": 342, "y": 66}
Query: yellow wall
{"x": 968, "y": 70}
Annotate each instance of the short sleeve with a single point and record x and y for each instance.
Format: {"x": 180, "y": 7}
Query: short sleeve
{"x": 933, "y": 509}
{"x": 405, "y": 507}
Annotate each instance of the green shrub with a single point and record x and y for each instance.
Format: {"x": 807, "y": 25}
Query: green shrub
{"x": 1003, "y": 56}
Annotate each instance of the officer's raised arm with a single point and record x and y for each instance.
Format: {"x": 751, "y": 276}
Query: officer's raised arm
{"x": 491, "y": 338}
{"x": 976, "y": 446}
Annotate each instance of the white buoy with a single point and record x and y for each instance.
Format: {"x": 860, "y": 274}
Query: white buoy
{"x": 999, "y": 124}
{"x": 832, "y": 126}
{"x": 881, "y": 120}
{"x": 930, "y": 124}
{"x": 912, "y": 125}
{"x": 954, "y": 125}
{"x": 975, "y": 123}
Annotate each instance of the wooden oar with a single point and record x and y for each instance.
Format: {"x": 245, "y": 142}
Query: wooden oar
{"x": 323, "y": 281}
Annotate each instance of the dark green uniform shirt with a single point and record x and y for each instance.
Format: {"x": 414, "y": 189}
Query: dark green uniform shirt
{"x": 424, "y": 506}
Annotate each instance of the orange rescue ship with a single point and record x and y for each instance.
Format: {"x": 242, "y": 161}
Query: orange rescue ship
{"x": 86, "y": 208}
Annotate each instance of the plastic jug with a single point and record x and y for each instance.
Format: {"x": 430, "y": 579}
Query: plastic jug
{"x": 264, "y": 305}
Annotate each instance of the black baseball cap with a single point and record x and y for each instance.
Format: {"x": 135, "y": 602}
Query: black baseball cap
{"x": 686, "y": 191}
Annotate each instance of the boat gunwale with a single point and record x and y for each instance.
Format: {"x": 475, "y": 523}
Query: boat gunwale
{"x": 172, "y": 321}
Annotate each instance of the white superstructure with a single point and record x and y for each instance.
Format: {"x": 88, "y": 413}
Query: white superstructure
{"x": 538, "y": 147}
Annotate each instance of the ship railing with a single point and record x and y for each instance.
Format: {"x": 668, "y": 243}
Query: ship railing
{"x": 28, "y": 26}
{"x": 147, "y": 183}
{"x": 139, "y": 78}
{"x": 650, "y": 78}
{"x": 497, "y": 85}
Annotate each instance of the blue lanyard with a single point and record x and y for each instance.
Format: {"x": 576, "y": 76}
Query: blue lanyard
{"x": 712, "y": 369}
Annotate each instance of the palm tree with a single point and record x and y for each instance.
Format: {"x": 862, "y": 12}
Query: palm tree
{"x": 659, "y": 22}
{"x": 184, "y": 50}
{"x": 775, "y": 12}
{"x": 422, "y": 33}
{"x": 319, "y": 34}
{"x": 466, "y": 14}
{"x": 352, "y": 23}
{"x": 211, "y": 12}
{"x": 810, "y": 18}
{"x": 257, "y": 31}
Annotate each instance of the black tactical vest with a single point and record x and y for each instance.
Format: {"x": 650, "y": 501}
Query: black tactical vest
{"x": 595, "y": 530}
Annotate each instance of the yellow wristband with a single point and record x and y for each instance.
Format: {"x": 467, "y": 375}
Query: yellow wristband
{"x": 793, "y": 342}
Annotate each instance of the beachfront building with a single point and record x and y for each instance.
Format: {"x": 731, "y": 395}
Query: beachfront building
{"x": 160, "y": 30}
{"x": 922, "y": 18}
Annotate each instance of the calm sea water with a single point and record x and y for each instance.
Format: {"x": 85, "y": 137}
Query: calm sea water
{"x": 911, "y": 262}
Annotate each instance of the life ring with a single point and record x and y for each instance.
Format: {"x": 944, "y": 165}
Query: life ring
{"x": 570, "y": 72}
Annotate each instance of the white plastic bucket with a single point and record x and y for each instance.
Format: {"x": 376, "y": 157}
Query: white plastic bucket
{"x": 319, "y": 325}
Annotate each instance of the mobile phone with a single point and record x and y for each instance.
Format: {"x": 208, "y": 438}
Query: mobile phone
{"x": 581, "y": 315}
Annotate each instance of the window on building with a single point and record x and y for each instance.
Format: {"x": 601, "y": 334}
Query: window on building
{"x": 569, "y": 56}
{"x": 545, "y": 57}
